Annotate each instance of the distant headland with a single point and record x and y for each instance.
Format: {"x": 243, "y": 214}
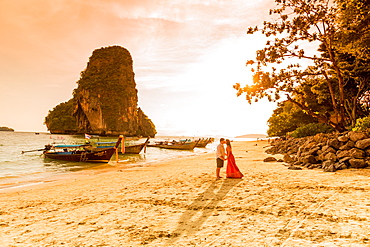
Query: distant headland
{"x": 6, "y": 129}
{"x": 252, "y": 136}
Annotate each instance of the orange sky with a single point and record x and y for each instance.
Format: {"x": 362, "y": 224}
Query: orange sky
{"x": 187, "y": 55}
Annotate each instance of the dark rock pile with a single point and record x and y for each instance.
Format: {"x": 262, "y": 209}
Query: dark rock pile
{"x": 330, "y": 152}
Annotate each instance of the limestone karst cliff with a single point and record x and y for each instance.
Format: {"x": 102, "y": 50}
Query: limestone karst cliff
{"x": 105, "y": 101}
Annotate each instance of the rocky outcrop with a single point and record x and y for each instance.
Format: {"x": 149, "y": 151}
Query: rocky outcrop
{"x": 105, "y": 101}
{"x": 329, "y": 152}
{"x": 3, "y": 128}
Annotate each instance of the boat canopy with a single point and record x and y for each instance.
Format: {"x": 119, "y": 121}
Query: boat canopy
{"x": 70, "y": 146}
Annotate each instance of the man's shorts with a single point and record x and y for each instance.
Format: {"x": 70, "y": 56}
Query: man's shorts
{"x": 220, "y": 163}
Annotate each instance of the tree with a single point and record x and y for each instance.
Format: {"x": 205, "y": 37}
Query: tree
{"x": 60, "y": 120}
{"x": 353, "y": 20}
{"x": 289, "y": 116}
{"x": 353, "y": 44}
{"x": 286, "y": 118}
{"x": 300, "y": 23}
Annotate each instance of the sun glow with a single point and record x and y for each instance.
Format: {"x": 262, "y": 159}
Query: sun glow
{"x": 206, "y": 88}
{"x": 187, "y": 57}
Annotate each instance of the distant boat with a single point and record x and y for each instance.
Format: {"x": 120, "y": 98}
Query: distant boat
{"x": 181, "y": 145}
{"x": 135, "y": 149}
{"x": 80, "y": 153}
{"x": 129, "y": 149}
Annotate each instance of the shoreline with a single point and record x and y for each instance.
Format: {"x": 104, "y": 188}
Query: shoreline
{"x": 180, "y": 203}
{"x": 27, "y": 180}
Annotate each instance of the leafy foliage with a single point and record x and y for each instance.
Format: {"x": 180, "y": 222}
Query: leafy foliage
{"x": 286, "y": 118}
{"x": 353, "y": 45}
{"x": 312, "y": 129}
{"x": 362, "y": 124}
{"x": 146, "y": 126}
{"x": 60, "y": 119}
{"x": 336, "y": 77}
{"x": 353, "y": 20}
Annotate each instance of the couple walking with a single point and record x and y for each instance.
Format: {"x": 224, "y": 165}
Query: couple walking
{"x": 232, "y": 171}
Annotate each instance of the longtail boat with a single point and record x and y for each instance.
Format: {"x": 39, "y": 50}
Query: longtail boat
{"x": 122, "y": 149}
{"x": 135, "y": 149}
{"x": 80, "y": 153}
{"x": 175, "y": 145}
{"x": 204, "y": 142}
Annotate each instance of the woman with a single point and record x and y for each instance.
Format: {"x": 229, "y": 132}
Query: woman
{"x": 232, "y": 171}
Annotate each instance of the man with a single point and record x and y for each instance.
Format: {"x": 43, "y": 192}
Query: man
{"x": 220, "y": 157}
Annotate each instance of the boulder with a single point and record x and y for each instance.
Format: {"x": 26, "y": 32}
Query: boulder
{"x": 334, "y": 143}
{"x": 347, "y": 146}
{"x": 328, "y": 166}
{"x": 328, "y": 149}
{"x": 294, "y": 168}
{"x": 313, "y": 166}
{"x": 311, "y": 159}
{"x": 358, "y": 163}
{"x": 353, "y": 153}
{"x": 340, "y": 166}
{"x": 330, "y": 156}
{"x": 343, "y": 138}
{"x": 270, "y": 159}
{"x": 345, "y": 160}
{"x": 314, "y": 150}
{"x": 363, "y": 144}
{"x": 356, "y": 153}
{"x": 320, "y": 138}
{"x": 356, "y": 136}
{"x": 330, "y": 152}
{"x": 288, "y": 159}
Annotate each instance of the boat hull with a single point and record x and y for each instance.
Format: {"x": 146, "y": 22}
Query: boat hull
{"x": 130, "y": 149}
{"x": 202, "y": 143}
{"x": 101, "y": 156}
{"x": 182, "y": 146}
{"x": 134, "y": 149}
{"x": 73, "y": 153}
{"x": 178, "y": 147}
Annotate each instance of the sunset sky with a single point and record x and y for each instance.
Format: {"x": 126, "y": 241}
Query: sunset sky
{"x": 187, "y": 56}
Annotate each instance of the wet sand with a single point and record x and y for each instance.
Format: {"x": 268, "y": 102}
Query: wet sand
{"x": 180, "y": 203}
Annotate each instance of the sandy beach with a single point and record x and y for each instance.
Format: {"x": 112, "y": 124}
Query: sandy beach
{"x": 180, "y": 203}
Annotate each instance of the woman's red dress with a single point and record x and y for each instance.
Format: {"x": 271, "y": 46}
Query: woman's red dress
{"x": 232, "y": 171}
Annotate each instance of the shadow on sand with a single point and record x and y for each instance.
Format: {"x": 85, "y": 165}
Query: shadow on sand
{"x": 202, "y": 208}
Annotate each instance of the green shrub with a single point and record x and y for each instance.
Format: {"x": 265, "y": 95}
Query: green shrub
{"x": 312, "y": 129}
{"x": 362, "y": 124}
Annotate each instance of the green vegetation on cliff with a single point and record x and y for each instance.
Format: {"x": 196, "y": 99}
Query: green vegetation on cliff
{"x": 105, "y": 101}
{"x": 3, "y": 128}
{"x": 60, "y": 119}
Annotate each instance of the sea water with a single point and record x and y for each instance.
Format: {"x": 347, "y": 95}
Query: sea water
{"x": 17, "y": 169}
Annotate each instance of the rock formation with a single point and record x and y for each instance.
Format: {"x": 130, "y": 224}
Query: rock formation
{"x": 329, "y": 152}
{"x": 3, "y": 128}
{"x": 105, "y": 101}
